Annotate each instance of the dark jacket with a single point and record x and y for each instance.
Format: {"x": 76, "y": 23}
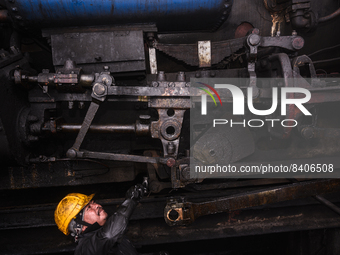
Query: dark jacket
{"x": 108, "y": 239}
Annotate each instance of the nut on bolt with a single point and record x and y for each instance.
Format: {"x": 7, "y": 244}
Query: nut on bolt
{"x": 186, "y": 173}
{"x": 298, "y": 43}
{"x": 171, "y": 162}
{"x": 254, "y": 39}
{"x": 98, "y": 89}
{"x": 71, "y": 153}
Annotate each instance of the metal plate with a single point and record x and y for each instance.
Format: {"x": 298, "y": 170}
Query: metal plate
{"x": 101, "y": 48}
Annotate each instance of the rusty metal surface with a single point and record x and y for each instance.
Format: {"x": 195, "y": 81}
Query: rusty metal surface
{"x": 153, "y": 61}
{"x": 204, "y": 53}
{"x": 44, "y": 172}
{"x": 125, "y": 46}
{"x": 186, "y": 212}
{"x": 156, "y": 231}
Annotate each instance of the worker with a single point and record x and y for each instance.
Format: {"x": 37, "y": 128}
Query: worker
{"x": 94, "y": 231}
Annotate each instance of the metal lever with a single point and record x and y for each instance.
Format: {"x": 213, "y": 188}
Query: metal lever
{"x": 91, "y": 112}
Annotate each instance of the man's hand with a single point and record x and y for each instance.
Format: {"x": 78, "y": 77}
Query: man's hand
{"x": 136, "y": 192}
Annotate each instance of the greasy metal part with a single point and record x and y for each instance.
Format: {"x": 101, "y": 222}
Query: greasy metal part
{"x": 330, "y": 16}
{"x": 124, "y": 53}
{"x": 253, "y": 41}
{"x": 222, "y": 49}
{"x": 91, "y": 112}
{"x": 166, "y": 88}
{"x": 301, "y": 15}
{"x": 185, "y": 212}
{"x": 98, "y": 94}
{"x": 204, "y": 53}
{"x": 167, "y": 129}
{"x": 86, "y": 80}
{"x": 301, "y": 61}
{"x": 69, "y": 80}
{"x": 292, "y": 43}
{"x": 139, "y": 129}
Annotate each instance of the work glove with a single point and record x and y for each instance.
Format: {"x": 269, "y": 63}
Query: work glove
{"x": 136, "y": 192}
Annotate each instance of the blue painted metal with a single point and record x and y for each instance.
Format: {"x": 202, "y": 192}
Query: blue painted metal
{"x": 47, "y": 13}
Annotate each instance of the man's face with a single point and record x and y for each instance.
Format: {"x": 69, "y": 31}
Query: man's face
{"x": 93, "y": 213}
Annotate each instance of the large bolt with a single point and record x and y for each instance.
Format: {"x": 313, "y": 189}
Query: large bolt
{"x": 298, "y": 43}
{"x": 171, "y": 162}
{"x": 161, "y": 76}
{"x": 254, "y": 39}
{"x": 181, "y": 76}
{"x": 186, "y": 173}
{"x": 71, "y": 153}
{"x": 307, "y": 132}
{"x": 98, "y": 89}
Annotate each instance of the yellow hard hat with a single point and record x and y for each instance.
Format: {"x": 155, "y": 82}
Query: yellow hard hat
{"x": 68, "y": 208}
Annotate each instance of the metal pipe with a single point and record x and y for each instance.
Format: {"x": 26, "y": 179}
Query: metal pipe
{"x": 137, "y": 128}
{"x": 111, "y": 128}
{"x": 330, "y": 16}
